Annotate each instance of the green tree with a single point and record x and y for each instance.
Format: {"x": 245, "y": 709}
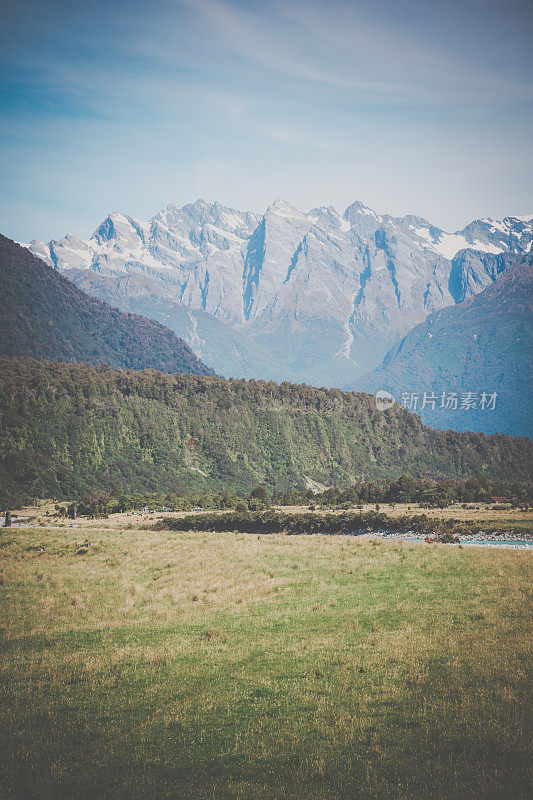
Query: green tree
{"x": 260, "y": 493}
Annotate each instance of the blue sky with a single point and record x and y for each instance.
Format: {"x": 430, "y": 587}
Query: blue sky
{"x": 410, "y": 106}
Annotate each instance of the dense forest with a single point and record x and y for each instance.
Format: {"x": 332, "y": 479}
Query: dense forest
{"x": 423, "y": 491}
{"x": 45, "y": 316}
{"x": 69, "y": 429}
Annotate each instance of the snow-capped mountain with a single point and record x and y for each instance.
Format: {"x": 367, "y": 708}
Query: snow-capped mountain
{"x": 317, "y": 296}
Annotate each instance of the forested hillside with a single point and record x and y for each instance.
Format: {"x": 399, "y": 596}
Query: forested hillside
{"x": 45, "y": 316}
{"x": 66, "y": 429}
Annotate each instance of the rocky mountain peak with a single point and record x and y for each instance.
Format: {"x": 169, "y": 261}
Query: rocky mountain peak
{"x": 315, "y": 296}
{"x": 282, "y": 208}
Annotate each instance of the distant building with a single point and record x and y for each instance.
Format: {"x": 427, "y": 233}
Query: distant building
{"x": 499, "y": 500}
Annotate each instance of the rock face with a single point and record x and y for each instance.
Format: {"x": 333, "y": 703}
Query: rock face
{"x": 45, "y": 316}
{"x": 472, "y": 271}
{"x": 480, "y": 346}
{"x": 315, "y": 296}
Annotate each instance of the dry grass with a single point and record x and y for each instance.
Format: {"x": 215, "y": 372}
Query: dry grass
{"x": 43, "y": 513}
{"x": 167, "y": 665}
{"x": 475, "y": 512}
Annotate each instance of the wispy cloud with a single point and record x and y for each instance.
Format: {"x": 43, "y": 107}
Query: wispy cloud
{"x": 397, "y": 42}
{"x": 411, "y": 105}
{"x": 282, "y": 49}
{"x": 347, "y": 48}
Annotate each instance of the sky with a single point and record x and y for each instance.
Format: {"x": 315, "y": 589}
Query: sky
{"x": 411, "y": 107}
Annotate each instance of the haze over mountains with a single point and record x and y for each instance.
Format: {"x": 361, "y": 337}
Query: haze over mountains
{"x": 318, "y": 297}
{"x": 482, "y": 345}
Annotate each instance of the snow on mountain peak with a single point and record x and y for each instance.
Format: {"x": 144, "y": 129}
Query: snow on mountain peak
{"x": 284, "y": 209}
{"x": 314, "y": 286}
{"x": 206, "y": 252}
{"x": 359, "y": 208}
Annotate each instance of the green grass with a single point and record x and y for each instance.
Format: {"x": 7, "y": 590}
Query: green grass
{"x": 171, "y": 665}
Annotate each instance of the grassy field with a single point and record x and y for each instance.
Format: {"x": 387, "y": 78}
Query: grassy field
{"x": 217, "y": 666}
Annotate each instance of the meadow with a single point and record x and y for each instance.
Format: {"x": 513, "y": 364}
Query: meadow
{"x": 199, "y": 666}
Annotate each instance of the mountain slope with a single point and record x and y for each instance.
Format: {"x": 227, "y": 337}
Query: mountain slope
{"x": 44, "y": 315}
{"x": 213, "y": 340}
{"x": 68, "y": 428}
{"x": 484, "y": 344}
{"x": 315, "y": 296}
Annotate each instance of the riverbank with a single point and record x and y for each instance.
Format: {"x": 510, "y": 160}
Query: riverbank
{"x": 519, "y": 539}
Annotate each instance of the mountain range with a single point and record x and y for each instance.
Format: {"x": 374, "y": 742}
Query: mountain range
{"x": 318, "y": 296}
{"x": 45, "y": 316}
{"x": 462, "y": 355}
{"x": 342, "y": 310}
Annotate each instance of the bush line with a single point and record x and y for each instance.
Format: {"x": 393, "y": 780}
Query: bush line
{"x": 270, "y": 521}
